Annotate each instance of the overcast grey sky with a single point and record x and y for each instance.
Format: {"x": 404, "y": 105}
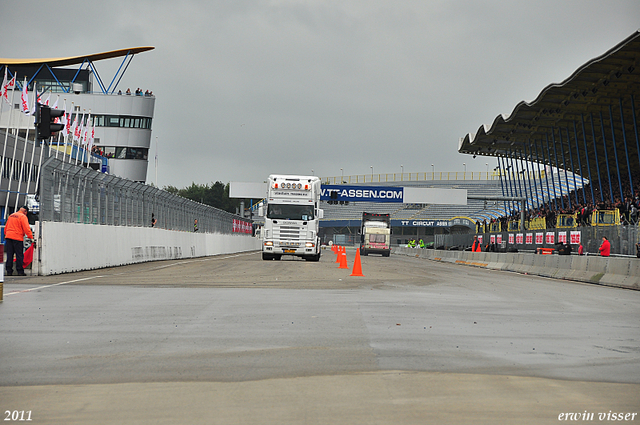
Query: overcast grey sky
{"x": 249, "y": 88}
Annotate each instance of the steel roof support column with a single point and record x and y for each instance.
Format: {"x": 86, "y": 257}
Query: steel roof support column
{"x": 573, "y": 172}
{"x": 595, "y": 149}
{"x": 501, "y": 168}
{"x": 513, "y": 173}
{"x": 615, "y": 153}
{"x": 606, "y": 157}
{"x": 564, "y": 164}
{"x": 553, "y": 182}
{"x": 635, "y": 127}
{"x": 586, "y": 154}
{"x": 555, "y": 154}
{"x": 520, "y": 191}
{"x": 575, "y": 135}
{"x": 528, "y": 194}
{"x": 626, "y": 152}
{"x": 546, "y": 178}
{"x": 535, "y": 185}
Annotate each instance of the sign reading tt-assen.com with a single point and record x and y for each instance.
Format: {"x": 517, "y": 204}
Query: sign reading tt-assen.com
{"x": 362, "y": 193}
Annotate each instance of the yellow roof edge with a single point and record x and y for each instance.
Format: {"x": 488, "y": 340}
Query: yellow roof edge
{"x": 76, "y": 60}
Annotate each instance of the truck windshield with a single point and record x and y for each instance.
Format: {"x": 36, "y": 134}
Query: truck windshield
{"x": 290, "y": 212}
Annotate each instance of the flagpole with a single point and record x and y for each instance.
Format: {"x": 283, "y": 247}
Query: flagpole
{"x": 6, "y": 134}
{"x": 42, "y": 147}
{"x": 4, "y": 82}
{"x": 156, "y": 161}
{"x": 21, "y": 174}
{"x": 55, "y": 106}
{"x": 26, "y": 110}
{"x": 33, "y": 152}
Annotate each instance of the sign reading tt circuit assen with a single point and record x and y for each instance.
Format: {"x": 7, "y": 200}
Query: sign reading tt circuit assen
{"x": 361, "y": 193}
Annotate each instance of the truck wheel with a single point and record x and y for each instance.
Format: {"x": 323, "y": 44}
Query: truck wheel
{"x": 277, "y": 257}
{"x": 313, "y": 258}
{"x": 386, "y": 254}
{"x": 266, "y": 256}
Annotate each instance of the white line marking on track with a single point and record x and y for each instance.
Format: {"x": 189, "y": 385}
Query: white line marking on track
{"x": 116, "y": 274}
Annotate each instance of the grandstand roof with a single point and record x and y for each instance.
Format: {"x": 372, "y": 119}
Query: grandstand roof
{"x": 76, "y": 60}
{"x": 604, "y": 88}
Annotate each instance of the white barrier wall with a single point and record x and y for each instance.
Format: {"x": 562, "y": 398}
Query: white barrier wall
{"x": 71, "y": 247}
{"x": 611, "y": 271}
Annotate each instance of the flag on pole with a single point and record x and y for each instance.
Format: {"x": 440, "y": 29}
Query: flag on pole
{"x": 77, "y": 135}
{"x": 24, "y": 98}
{"x": 63, "y": 118}
{"x": 74, "y": 128}
{"x": 91, "y": 135}
{"x": 85, "y": 132}
{"x": 7, "y": 85}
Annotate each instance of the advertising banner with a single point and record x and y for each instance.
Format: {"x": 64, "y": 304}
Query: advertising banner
{"x": 550, "y": 238}
{"x": 362, "y": 194}
{"x": 575, "y": 237}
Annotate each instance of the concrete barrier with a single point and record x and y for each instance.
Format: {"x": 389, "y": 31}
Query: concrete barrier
{"x": 71, "y": 247}
{"x": 609, "y": 271}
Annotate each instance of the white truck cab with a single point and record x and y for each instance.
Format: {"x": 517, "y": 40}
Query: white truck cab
{"x": 291, "y": 219}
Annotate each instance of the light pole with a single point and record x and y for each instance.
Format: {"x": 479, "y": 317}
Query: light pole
{"x": 465, "y": 166}
{"x": 487, "y": 164}
{"x": 341, "y": 176}
{"x": 371, "y": 166}
{"x": 433, "y": 173}
{"x": 312, "y": 173}
{"x": 401, "y": 172}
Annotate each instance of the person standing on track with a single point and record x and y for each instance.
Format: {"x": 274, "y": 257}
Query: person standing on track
{"x": 15, "y": 229}
{"x": 605, "y": 248}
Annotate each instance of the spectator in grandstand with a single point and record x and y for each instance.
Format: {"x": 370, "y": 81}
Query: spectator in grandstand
{"x": 580, "y": 249}
{"x": 605, "y": 247}
{"x": 633, "y": 211}
{"x": 153, "y": 220}
{"x": 195, "y": 225}
{"x": 16, "y": 228}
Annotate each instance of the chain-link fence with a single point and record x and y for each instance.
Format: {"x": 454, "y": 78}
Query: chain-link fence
{"x": 74, "y": 194}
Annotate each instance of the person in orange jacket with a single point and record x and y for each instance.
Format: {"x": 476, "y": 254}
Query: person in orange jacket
{"x": 15, "y": 229}
{"x": 476, "y": 246}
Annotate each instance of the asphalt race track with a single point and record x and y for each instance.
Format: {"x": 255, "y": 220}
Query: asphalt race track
{"x": 233, "y": 339}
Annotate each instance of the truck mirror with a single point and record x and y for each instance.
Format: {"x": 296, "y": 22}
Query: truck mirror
{"x": 260, "y": 211}
{"x": 320, "y": 213}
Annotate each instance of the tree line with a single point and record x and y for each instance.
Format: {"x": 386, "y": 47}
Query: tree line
{"x": 214, "y": 194}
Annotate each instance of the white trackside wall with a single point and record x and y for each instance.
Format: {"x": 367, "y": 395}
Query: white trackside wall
{"x": 71, "y": 247}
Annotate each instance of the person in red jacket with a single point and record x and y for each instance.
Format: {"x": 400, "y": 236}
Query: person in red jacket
{"x": 15, "y": 229}
{"x": 605, "y": 248}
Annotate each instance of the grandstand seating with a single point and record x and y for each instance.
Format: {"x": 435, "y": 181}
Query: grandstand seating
{"x": 474, "y": 210}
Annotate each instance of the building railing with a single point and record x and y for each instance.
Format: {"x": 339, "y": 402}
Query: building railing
{"x": 433, "y": 175}
{"x": 73, "y": 194}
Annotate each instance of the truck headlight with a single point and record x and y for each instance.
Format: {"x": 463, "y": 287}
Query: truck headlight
{"x": 309, "y": 244}
{"x": 268, "y": 243}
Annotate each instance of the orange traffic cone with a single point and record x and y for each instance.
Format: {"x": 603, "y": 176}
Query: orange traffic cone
{"x": 357, "y": 267}
{"x": 343, "y": 259}
{"x": 338, "y": 253}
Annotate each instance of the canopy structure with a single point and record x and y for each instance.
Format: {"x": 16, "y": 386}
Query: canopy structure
{"x": 40, "y": 64}
{"x": 587, "y": 125}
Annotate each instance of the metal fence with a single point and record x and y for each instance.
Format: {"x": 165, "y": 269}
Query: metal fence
{"x": 74, "y": 194}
